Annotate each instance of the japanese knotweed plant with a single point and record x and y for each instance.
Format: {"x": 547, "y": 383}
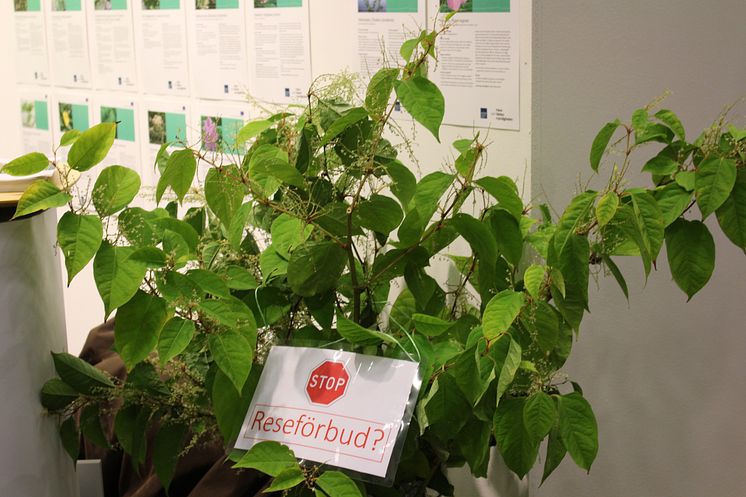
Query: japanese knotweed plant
{"x": 317, "y": 235}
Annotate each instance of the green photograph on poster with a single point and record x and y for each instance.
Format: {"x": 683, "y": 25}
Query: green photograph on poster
{"x": 390, "y": 6}
{"x": 34, "y": 114}
{"x": 166, "y": 127}
{"x": 66, "y": 5}
{"x": 73, "y": 116}
{"x": 475, "y": 5}
{"x": 219, "y": 133}
{"x": 27, "y": 5}
{"x": 215, "y": 4}
{"x": 110, "y": 4}
{"x": 160, "y": 4}
{"x": 268, "y": 4}
{"x": 125, "y": 119}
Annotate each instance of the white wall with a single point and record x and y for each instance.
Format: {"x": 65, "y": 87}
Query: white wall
{"x": 665, "y": 378}
{"x": 509, "y": 153}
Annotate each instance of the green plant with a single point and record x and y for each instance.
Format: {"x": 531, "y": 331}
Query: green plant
{"x": 300, "y": 241}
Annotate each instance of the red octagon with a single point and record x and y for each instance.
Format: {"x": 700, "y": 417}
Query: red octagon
{"x": 327, "y": 383}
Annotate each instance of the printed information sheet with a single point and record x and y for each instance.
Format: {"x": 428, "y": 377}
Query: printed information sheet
{"x": 478, "y": 64}
{"x": 161, "y": 39}
{"x": 36, "y": 132}
{"x": 121, "y": 109}
{"x": 218, "y": 124}
{"x": 68, "y": 43}
{"x": 382, "y": 26}
{"x": 160, "y": 121}
{"x": 32, "y": 64}
{"x": 113, "y": 45}
{"x": 70, "y": 111}
{"x": 332, "y": 407}
{"x": 218, "y": 48}
{"x": 280, "y": 48}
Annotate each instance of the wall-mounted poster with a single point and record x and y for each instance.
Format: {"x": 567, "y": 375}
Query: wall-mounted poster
{"x": 218, "y": 48}
{"x": 161, "y": 40}
{"x": 280, "y": 49}
{"x": 32, "y": 63}
{"x": 121, "y": 109}
{"x": 68, "y": 43}
{"x": 36, "y": 132}
{"x": 113, "y": 45}
{"x": 217, "y": 125}
{"x": 382, "y": 26}
{"x": 162, "y": 122}
{"x": 70, "y": 111}
{"x": 478, "y": 65}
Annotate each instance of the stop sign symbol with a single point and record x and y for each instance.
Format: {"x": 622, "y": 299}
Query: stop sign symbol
{"x": 327, "y": 382}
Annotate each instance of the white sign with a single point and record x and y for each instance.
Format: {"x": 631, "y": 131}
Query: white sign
{"x": 332, "y": 407}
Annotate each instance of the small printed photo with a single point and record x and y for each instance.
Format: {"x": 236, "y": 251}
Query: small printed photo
{"x": 151, "y": 4}
{"x": 28, "y": 114}
{"x": 263, "y": 4}
{"x": 157, "y": 127}
{"x": 59, "y": 5}
{"x": 66, "y": 117}
{"x": 453, "y": 5}
{"x": 371, "y": 5}
{"x": 212, "y": 132}
{"x": 102, "y": 4}
{"x": 20, "y": 5}
{"x": 109, "y": 115}
{"x": 205, "y": 4}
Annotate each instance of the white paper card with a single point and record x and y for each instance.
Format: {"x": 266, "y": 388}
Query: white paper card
{"x": 36, "y": 130}
{"x": 280, "y": 47}
{"x": 113, "y": 45}
{"x": 68, "y": 43}
{"x": 478, "y": 64}
{"x": 161, "y": 40}
{"x": 332, "y": 407}
{"x": 217, "y": 49}
{"x": 30, "y": 43}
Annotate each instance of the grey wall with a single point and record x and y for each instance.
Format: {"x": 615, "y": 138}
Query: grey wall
{"x": 666, "y": 379}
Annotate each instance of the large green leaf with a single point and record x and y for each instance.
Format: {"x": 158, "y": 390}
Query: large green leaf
{"x": 337, "y": 484}
{"x": 575, "y": 216}
{"x": 252, "y": 129}
{"x": 79, "y": 237}
{"x": 424, "y": 204}
{"x": 80, "y": 375}
{"x": 474, "y": 442}
{"x": 268, "y": 457}
{"x": 555, "y": 453}
{"x": 430, "y": 325}
{"x": 229, "y": 405}
{"x": 504, "y": 190}
{"x": 673, "y": 201}
{"x": 356, "y": 334}
{"x": 138, "y": 326}
{"x": 480, "y": 238}
{"x": 92, "y": 146}
{"x": 601, "y": 141}
{"x": 732, "y": 214}
{"x": 315, "y": 267}
{"x": 671, "y": 120}
{"x": 26, "y": 165}
{"x": 444, "y": 410}
{"x": 379, "y": 90}
{"x": 343, "y": 122}
{"x": 539, "y": 415}
{"x": 473, "y": 372}
{"x": 117, "y": 276}
{"x": 178, "y": 175}
{"x": 713, "y": 182}
{"x": 56, "y": 395}
{"x": 506, "y": 353}
{"x": 424, "y": 101}
{"x": 233, "y": 354}
{"x": 518, "y": 448}
{"x": 507, "y": 233}
{"x": 224, "y": 192}
{"x": 287, "y": 233}
{"x": 500, "y": 313}
{"x": 70, "y": 438}
{"x": 533, "y": 279}
{"x": 174, "y": 338}
{"x": 168, "y": 443}
{"x": 578, "y": 428}
{"x": 691, "y": 254}
{"x": 403, "y": 182}
{"x": 90, "y": 426}
{"x": 606, "y": 208}
{"x": 269, "y": 168}
{"x": 115, "y": 188}
{"x": 41, "y": 195}
{"x": 130, "y": 427}
{"x": 379, "y": 213}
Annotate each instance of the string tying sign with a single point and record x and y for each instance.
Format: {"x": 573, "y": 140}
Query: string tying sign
{"x": 334, "y": 408}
